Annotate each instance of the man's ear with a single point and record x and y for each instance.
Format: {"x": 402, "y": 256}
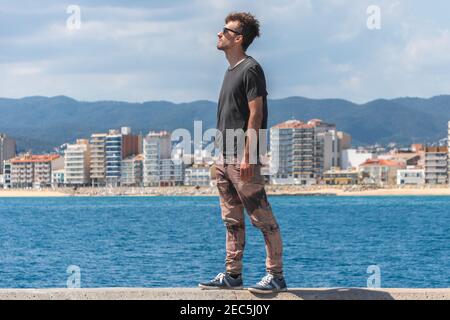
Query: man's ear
{"x": 240, "y": 38}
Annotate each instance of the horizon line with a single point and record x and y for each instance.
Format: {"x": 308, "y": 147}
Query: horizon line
{"x": 206, "y": 100}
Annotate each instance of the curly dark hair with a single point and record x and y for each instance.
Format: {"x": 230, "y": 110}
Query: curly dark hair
{"x": 249, "y": 26}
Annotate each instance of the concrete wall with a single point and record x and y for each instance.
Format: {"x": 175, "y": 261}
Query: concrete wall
{"x": 197, "y": 294}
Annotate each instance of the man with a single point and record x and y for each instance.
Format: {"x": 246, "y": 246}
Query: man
{"x": 243, "y": 106}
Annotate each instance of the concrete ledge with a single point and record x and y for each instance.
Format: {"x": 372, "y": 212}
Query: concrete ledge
{"x": 197, "y": 294}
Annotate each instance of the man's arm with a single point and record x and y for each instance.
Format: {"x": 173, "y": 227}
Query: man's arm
{"x": 254, "y": 124}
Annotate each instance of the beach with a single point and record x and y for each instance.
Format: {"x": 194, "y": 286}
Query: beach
{"x": 272, "y": 190}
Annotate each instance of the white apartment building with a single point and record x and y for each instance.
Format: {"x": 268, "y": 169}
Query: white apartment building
{"x": 159, "y": 168}
{"x": 98, "y": 159}
{"x": 132, "y": 171}
{"x": 353, "y": 158}
{"x": 436, "y": 165}
{"x": 302, "y": 152}
{"x": 411, "y": 176}
{"x": 197, "y": 176}
{"x": 33, "y": 171}
{"x": 77, "y": 163}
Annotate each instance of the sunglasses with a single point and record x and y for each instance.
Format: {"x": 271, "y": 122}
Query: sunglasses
{"x": 225, "y": 30}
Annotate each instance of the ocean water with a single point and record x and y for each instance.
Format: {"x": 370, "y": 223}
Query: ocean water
{"x": 179, "y": 241}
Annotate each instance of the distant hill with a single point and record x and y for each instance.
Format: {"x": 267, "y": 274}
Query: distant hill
{"x": 42, "y": 123}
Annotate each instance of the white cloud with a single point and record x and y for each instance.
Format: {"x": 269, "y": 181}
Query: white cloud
{"x": 162, "y": 50}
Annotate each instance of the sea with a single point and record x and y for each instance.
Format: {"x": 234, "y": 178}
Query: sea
{"x": 329, "y": 241}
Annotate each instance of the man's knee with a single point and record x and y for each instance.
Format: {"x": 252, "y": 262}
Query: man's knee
{"x": 233, "y": 224}
{"x": 266, "y": 227}
{"x": 264, "y": 220}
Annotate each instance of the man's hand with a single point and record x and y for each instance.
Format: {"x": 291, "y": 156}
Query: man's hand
{"x": 254, "y": 123}
{"x": 246, "y": 170}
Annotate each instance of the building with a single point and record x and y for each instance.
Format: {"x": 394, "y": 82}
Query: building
{"x": 7, "y": 149}
{"x": 113, "y": 157}
{"x": 334, "y": 142}
{"x": 97, "y": 160}
{"x": 411, "y": 176}
{"x": 197, "y": 176}
{"x": 379, "y": 172}
{"x": 408, "y": 158}
{"x": 33, "y": 171}
{"x": 6, "y": 174}
{"x": 132, "y": 169}
{"x": 448, "y": 156}
{"x": 58, "y": 178}
{"x": 337, "y": 176}
{"x": 77, "y": 163}
{"x": 159, "y": 167}
{"x": 171, "y": 173}
{"x": 118, "y": 146}
{"x": 436, "y": 165}
{"x": 301, "y": 152}
{"x": 353, "y": 158}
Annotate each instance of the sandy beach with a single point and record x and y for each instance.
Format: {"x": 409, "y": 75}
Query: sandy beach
{"x": 272, "y": 190}
{"x": 30, "y": 193}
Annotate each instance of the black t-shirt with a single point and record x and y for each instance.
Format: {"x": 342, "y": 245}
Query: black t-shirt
{"x": 243, "y": 83}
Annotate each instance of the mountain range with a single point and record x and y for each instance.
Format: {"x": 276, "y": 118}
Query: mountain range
{"x": 43, "y": 123}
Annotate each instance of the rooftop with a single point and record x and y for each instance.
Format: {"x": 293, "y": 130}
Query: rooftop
{"x": 297, "y": 124}
{"x": 382, "y": 162}
{"x": 35, "y": 158}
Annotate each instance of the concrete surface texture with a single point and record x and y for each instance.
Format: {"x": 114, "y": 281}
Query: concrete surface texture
{"x": 197, "y": 294}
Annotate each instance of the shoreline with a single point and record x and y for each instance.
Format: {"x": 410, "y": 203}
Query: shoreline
{"x": 272, "y": 190}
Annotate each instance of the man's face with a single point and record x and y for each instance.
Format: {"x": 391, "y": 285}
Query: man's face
{"x": 228, "y": 39}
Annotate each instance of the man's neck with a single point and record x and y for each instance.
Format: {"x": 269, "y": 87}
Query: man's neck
{"x": 234, "y": 57}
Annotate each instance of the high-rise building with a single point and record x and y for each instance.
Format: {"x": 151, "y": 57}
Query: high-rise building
{"x": 33, "y": 171}
{"x": 7, "y": 149}
{"x": 436, "y": 165}
{"x": 118, "y": 146}
{"x": 7, "y": 174}
{"x": 77, "y": 163}
{"x": 159, "y": 168}
{"x": 301, "y": 152}
{"x": 132, "y": 170}
{"x": 113, "y": 157}
{"x": 448, "y": 156}
{"x": 97, "y": 162}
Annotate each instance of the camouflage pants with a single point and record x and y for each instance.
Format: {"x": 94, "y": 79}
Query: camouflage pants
{"x": 235, "y": 195}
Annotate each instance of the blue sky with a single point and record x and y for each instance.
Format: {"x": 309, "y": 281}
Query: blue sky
{"x": 166, "y": 50}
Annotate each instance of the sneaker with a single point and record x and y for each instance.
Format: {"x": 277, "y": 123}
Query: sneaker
{"x": 223, "y": 281}
{"x": 269, "y": 284}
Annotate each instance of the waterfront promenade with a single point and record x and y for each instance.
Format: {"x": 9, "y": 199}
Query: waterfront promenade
{"x": 197, "y": 294}
{"x": 274, "y": 190}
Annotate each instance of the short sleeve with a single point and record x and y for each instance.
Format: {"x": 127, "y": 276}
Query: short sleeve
{"x": 255, "y": 83}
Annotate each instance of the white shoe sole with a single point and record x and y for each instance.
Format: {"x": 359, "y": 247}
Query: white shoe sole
{"x": 254, "y": 290}
{"x": 219, "y": 288}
